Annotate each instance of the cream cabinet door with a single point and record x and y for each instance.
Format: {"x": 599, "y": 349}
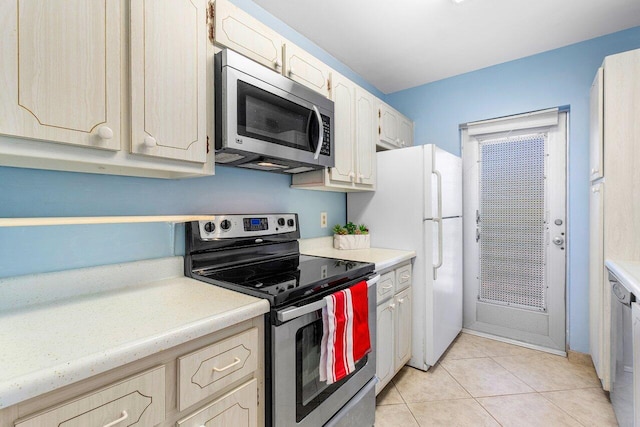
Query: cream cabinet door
{"x": 389, "y": 125}
{"x": 344, "y": 118}
{"x": 384, "y": 344}
{"x": 306, "y": 69}
{"x": 238, "y": 408}
{"x": 597, "y": 277}
{"x": 365, "y": 137}
{"x": 402, "y": 328}
{"x": 60, "y": 71}
{"x": 168, "y": 79}
{"x": 596, "y": 128}
{"x": 241, "y": 32}
{"x": 406, "y": 132}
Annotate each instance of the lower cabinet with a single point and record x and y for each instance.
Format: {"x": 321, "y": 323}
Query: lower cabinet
{"x": 635, "y": 322}
{"x": 216, "y": 380}
{"x": 393, "y": 329}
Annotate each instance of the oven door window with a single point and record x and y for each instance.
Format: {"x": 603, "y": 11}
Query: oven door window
{"x": 267, "y": 117}
{"x": 310, "y": 391}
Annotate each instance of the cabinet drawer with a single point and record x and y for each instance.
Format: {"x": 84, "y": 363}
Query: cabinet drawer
{"x": 386, "y": 286}
{"x": 137, "y": 401}
{"x": 238, "y": 408}
{"x": 403, "y": 277}
{"x": 204, "y": 372}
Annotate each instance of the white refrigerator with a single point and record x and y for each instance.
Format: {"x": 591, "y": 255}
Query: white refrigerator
{"x": 417, "y": 206}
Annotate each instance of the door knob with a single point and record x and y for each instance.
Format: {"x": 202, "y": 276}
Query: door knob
{"x": 558, "y": 240}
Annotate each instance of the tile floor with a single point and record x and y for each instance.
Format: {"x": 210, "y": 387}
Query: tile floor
{"x": 482, "y": 382}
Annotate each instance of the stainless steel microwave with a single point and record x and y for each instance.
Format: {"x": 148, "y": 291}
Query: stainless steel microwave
{"x": 268, "y": 122}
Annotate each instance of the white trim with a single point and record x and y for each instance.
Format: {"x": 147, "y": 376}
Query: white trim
{"x": 534, "y": 119}
{"x": 514, "y": 342}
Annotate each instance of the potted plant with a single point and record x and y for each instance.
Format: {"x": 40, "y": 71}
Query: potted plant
{"x": 351, "y": 236}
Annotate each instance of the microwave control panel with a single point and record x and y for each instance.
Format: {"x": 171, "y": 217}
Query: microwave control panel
{"x": 326, "y": 140}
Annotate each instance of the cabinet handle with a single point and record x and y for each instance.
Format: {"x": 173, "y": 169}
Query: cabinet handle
{"x": 277, "y": 64}
{"x": 105, "y": 132}
{"x": 230, "y": 365}
{"x": 149, "y": 141}
{"x": 352, "y": 175}
{"x": 124, "y": 416}
{"x": 594, "y": 171}
{"x": 401, "y": 300}
{"x": 595, "y": 190}
{"x": 361, "y": 177}
{"x": 405, "y": 276}
{"x": 392, "y": 306}
{"x": 387, "y": 287}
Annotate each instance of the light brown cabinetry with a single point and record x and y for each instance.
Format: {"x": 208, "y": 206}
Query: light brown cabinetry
{"x": 393, "y": 331}
{"x": 614, "y": 213}
{"x": 354, "y": 142}
{"x": 394, "y": 129}
{"x": 160, "y": 390}
{"x": 109, "y": 87}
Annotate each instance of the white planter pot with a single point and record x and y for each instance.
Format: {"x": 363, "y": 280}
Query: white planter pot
{"x": 351, "y": 241}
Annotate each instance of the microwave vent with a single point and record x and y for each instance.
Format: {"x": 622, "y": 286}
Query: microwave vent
{"x": 228, "y": 157}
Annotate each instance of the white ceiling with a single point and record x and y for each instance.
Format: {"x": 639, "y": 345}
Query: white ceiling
{"x": 400, "y": 44}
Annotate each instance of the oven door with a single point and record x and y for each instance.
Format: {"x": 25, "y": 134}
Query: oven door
{"x": 299, "y": 397}
{"x": 268, "y": 120}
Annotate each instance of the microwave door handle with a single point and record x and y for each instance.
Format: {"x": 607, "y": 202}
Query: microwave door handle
{"x": 320, "y": 133}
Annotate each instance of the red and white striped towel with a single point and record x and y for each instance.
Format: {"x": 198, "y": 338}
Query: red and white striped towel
{"x": 345, "y": 332}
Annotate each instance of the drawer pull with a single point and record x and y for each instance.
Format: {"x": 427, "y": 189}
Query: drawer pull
{"x": 124, "y": 416}
{"x": 230, "y": 365}
{"x": 387, "y": 287}
{"x": 405, "y": 276}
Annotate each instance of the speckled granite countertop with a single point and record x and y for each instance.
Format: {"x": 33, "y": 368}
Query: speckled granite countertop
{"x": 382, "y": 258}
{"x": 60, "y": 328}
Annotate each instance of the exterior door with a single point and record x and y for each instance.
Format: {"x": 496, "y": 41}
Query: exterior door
{"x": 515, "y": 228}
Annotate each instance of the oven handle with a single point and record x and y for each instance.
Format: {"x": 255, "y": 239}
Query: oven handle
{"x": 292, "y": 313}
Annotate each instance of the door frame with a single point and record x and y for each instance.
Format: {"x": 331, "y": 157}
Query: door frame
{"x": 469, "y": 237}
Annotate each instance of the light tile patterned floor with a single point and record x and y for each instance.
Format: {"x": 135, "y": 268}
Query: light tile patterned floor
{"x": 482, "y": 382}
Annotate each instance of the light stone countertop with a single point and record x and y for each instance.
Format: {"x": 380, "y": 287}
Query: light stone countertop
{"x": 628, "y": 272}
{"x": 382, "y": 258}
{"x": 60, "y": 328}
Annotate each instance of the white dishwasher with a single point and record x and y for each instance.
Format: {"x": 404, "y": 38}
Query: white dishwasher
{"x": 622, "y": 349}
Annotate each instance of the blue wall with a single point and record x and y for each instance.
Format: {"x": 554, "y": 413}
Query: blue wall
{"x": 550, "y": 79}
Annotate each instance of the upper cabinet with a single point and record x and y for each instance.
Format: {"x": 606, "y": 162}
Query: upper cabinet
{"x": 306, "y": 69}
{"x": 394, "y": 129}
{"x": 57, "y": 71}
{"x": 78, "y": 102}
{"x": 239, "y": 31}
{"x": 168, "y": 79}
{"x": 354, "y": 136}
{"x": 596, "y": 114}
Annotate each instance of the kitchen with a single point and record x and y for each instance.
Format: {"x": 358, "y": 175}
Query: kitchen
{"x": 555, "y": 78}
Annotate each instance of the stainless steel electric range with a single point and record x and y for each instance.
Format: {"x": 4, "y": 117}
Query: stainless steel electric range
{"x": 259, "y": 255}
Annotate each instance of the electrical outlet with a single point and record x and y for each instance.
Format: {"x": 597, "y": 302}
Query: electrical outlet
{"x": 323, "y": 220}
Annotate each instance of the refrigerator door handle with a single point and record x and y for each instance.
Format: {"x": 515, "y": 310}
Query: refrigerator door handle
{"x": 439, "y": 264}
{"x": 438, "y": 219}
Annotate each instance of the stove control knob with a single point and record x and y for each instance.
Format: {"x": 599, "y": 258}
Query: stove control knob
{"x": 209, "y": 227}
{"x": 281, "y": 222}
{"x": 290, "y": 223}
{"x": 225, "y": 224}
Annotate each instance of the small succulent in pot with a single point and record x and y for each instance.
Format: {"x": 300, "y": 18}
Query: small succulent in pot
{"x": 350, "y": 228}
{"x": 338, "y": 229}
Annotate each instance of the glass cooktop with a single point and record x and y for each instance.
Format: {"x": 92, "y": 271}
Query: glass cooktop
{"x": 290, "y": 279}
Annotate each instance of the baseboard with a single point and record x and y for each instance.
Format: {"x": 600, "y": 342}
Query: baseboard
{"x": 518, "y": 343}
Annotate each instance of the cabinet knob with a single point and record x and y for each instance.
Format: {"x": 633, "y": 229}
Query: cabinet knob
{"x": 594, "y": 171}
{"x": 149, "y": 141}
{"x": 361, "y": 177}
{"x": 392, "y": 306}
{"x": 403, "y": 143}
{"x": 277, "y": 64}
{"x": 595, "y": 190}
{"x": 397, "y": 140}
{"x": 105, "y": 132}
{"x": 401, "y": 300}
{"x": 292, "y": 71}
{"x": 352, "y": 175}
